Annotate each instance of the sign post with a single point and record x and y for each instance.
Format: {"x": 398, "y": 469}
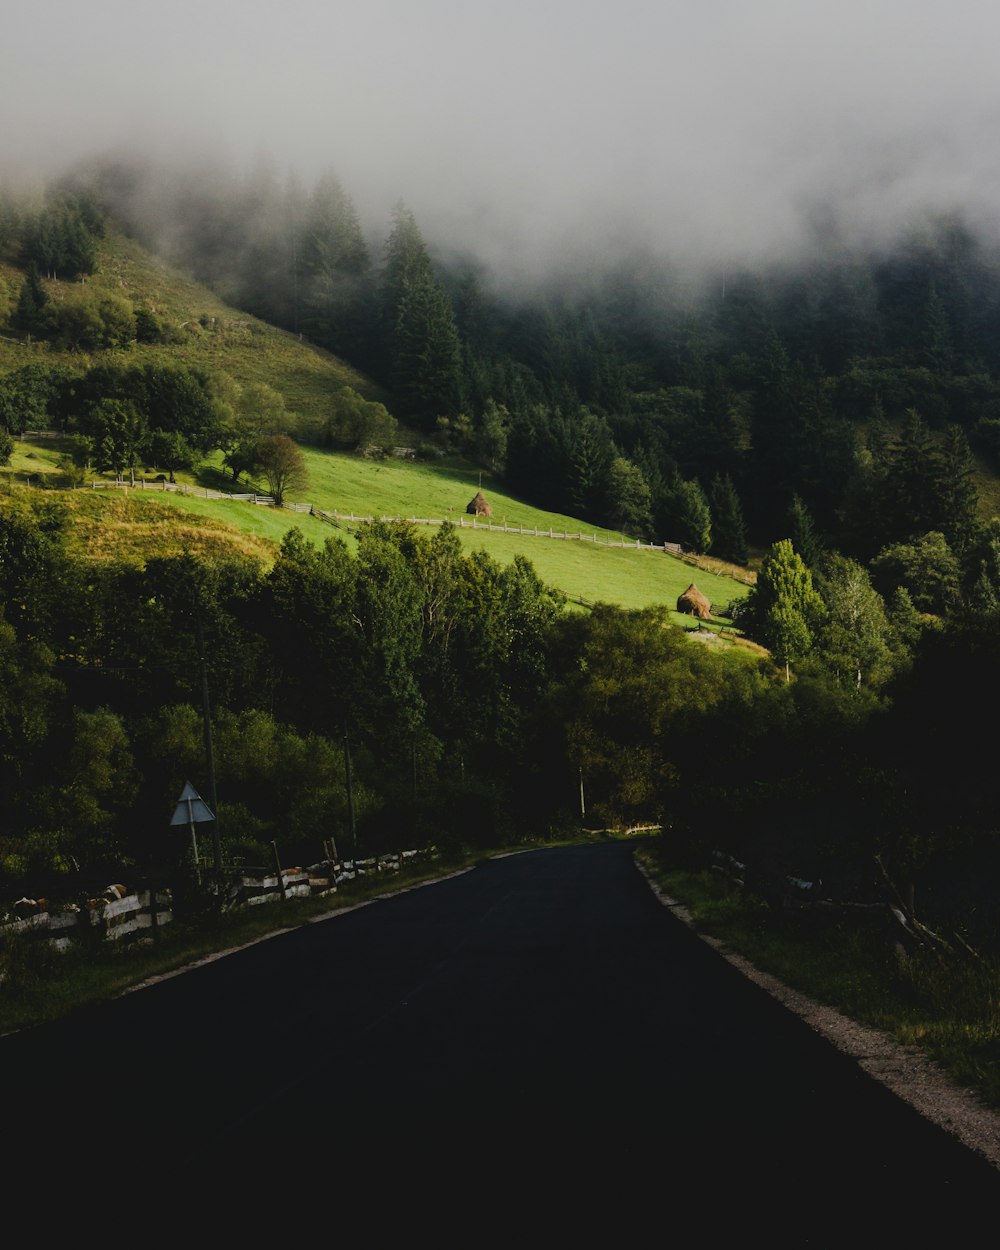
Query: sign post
{"x": 192, "y": 810}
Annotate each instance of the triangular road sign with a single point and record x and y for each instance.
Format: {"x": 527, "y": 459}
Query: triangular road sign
{"x": 191, "y": 808}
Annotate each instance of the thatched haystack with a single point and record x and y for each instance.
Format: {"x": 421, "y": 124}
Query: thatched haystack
{"x": 478, "y": 505}
{"x": 694, "y": 603}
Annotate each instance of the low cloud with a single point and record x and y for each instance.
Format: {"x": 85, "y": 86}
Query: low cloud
{"x": 542, "y": 133}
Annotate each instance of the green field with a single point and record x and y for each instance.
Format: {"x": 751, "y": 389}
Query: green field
{"x": 581, "y": 568}
{"x": 129, "y": 522}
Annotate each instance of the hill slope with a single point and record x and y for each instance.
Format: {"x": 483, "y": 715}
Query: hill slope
{"x": 133, "y": 524}
{"x": 207, "y": 334}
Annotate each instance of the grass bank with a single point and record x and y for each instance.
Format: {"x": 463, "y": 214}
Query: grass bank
{"x": 950, "y": 1010}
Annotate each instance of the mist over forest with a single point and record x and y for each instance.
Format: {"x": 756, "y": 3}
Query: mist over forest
{"x": 537, "y": 135}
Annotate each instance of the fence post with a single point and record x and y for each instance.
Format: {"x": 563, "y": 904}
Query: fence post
{"x": 154, "y": 924}
{"x": 277, "y": 864}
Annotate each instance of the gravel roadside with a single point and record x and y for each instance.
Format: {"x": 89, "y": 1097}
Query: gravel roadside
{"x": 905, "y": 1070}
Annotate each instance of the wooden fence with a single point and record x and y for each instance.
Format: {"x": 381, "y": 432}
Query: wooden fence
{"x": 461, "y": 521}
{"x": 122, "y": 914}
{"x": 115, "y": 915}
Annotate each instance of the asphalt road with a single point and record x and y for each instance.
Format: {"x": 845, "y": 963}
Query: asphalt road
{"x": 540, "y": 1030}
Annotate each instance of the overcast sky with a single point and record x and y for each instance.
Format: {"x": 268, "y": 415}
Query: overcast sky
{"x": 718, "y": 127}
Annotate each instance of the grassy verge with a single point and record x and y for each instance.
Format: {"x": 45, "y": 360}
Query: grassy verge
{"x": 950, "y": 1010}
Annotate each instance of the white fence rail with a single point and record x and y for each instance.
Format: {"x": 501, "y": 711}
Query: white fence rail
{"x": 462, "y": 521}
{"x": 118, "y": 913}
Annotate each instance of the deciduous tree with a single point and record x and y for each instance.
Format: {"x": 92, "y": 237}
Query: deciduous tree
{"x": 282, "y": 464}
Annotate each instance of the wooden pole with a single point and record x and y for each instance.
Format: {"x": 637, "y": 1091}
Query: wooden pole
{"x": 277, "y": 866}
{"x": 206, "y": 712}
{"x": 154, "y": 920}
{"x": 350, "y": 793}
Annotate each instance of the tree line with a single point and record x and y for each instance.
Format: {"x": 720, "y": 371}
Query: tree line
{"x": 698, "y": 417}
{"x": 691, "y": 413}
{"x": 474, "y": 704}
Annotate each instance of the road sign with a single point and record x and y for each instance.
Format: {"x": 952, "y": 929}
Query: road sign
{"x": 191, "y": 808}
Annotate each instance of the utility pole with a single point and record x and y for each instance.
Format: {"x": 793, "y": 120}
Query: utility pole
{"x": 206, "y": 712}
{"x": 350, "y": 792}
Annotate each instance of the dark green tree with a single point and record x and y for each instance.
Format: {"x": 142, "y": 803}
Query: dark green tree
{"x": 422, "y": 348}
{"x": 784, "y": 610}
{"x": 959, "y": 493}
{"x": 926, "y": 566}
{"x": 166, "y": 449}
{"x": 629, "y": 501}
{"x": 938, "y": 345}
{"x": 913, "y": 490}
{"x": 315, "y": 649}
{"x": 490, "y": 431}
{"x": 690, "y": 514}
{"x": 147, "y": 327}
{"x": 281, "y": 462}
{"x": 984, "y": 594}
{"x": 803, "y": 534}
{"x": 337, "y": 302}
{"x": 357, "y": 422}
{"x": 30, "y": 313}
{"x": 119, "y": 433}
{"x": 729, "y": 533}
{"x": 389, "y": 609}
{"x": 586, "y": 454}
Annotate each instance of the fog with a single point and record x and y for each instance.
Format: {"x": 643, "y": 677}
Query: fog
{"x": 540, "y": 131}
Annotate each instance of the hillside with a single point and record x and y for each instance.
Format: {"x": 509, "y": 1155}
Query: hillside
{"x": 206, "y": 334}
{"x": 203, "y": 333}
{"x": 133, "y": 524}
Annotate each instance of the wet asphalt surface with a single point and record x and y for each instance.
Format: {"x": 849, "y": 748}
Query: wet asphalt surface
{"x": 537, "y": 1035}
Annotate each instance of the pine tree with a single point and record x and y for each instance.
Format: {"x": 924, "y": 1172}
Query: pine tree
{"x": 422, "y": 348}
{"x": 729, "y": 535}
{"x": 337, "y": 297}
{"x": 784, "y": 609}
{"x": 938, "y": 349}
{"x": 690, "y": 515}
{"x": 31, "y": 302}
{"x": 590, "y": 452}
{"x": 913, "y": 493}
{"x": 630, "y": 505}
{"x": 803, "y": 534}
{"x": 959, "y": 495}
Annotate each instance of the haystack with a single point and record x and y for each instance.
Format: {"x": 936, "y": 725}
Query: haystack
{"x": 478, "y": 505}
{"x": 694, "y": 603}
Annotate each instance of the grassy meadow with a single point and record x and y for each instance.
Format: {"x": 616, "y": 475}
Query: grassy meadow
{"x": 132, "y": 524}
